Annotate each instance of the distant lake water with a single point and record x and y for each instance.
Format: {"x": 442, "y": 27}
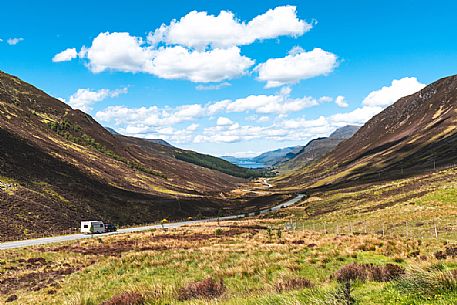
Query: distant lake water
{"x": 248, "y": 163}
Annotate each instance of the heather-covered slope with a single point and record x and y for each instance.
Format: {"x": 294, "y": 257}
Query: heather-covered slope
{"x": 415, "y": 134}
{"x": 318, "y": 148}
{"x": 58, "y": 166}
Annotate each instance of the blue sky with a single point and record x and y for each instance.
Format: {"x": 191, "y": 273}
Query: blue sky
{"x": 258, "y": 76}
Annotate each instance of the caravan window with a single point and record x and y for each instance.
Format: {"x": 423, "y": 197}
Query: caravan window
{"x": 86, "y": 226}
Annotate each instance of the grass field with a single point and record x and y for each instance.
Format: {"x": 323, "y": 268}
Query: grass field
{"x": 329, "y": 249}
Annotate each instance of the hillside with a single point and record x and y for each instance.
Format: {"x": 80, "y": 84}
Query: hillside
{"x": 59, "y": 166}
{"x": 378, "y": 239}
{"x": 418, "y": 133}
{"x": 271, "y": 158}
{"x": 318, "y": 148}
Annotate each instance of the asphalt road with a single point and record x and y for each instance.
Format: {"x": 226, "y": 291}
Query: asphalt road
{"x": 61, "y": 238}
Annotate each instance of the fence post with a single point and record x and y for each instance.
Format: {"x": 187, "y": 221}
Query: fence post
{"x": 383, "y": 230}
{"x": 325, "y": 227}
{"x": 436, "y": 230}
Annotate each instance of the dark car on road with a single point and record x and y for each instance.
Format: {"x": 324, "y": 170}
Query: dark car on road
{"x": 110, "y": 227}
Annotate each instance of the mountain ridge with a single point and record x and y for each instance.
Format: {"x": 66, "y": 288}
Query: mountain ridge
{"x": 416, "y": 133}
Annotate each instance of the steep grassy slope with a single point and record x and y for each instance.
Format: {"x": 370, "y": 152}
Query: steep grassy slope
{"x": 202, "y": 160}
{"x": 58, "y": 166}
{"x": 417, "y": 133}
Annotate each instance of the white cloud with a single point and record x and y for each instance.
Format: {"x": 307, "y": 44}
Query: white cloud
{"x": 199, "y": 66}
{"x": 296, "y": 66}
{"x": 83, "y": 99}
{"x": 388, "y": 95}
{"x": 213, "y": 87}
{"x": 199, "y": 29}
{"x": 377, "y": 100}
{"x": 199, "y": 47}
{"x": 118, "y": 52}
{"x": 65, "y": 55}
{"x": 223, "y": 121}
{"x": 341, "y": 102}
{"x": 159, "y": 122}
{"x": 126, "y": 53}
{"x": 271, "y": 104}
{"x": 263, "y": 119}
{"x": 14, "y": 41}
{"x": 146, "y": 119}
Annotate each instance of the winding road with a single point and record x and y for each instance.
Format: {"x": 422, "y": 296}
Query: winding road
{"x": 62, "y": 238}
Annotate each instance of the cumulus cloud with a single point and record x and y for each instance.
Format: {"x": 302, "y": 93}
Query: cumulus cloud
{"x": 388, "y": 95}
{"x": 14, "y": 41}
{"x": 223, "y": 121}
{"x": 119, "y": 52}
{"x": 154, "y": 122}
{"x": 84, "y": 99}
{"x": 199, "y": 47}
{"x": 200, "y": 29}
{"x": 271, "y": 104}
{"x": 199, "y": 66}
{"x": 377, "y": 100}
{"x": 65, "y": 55}
{"x": 126, "y": 53}
{"x": 296, "y": 66}
{"x": 340, "y": 101}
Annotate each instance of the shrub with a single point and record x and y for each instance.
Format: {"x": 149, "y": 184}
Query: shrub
{"x": 351, "y": 272}
{"x": 440, "y": 255}
{"x": 126, "y": 298}
{"x": 287, "y": 284}
{"x": 427, "y": 282}
{"x": 451, "y": 251}
{"x": 369, "y": 272}
{"x": 205, "y": 289}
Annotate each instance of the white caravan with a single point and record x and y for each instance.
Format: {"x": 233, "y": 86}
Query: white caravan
{"x": 92, "y": 227}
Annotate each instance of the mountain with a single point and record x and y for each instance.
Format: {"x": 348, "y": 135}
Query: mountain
{"x": 274, "y": 157}
{"x": 59, "y": 166}
{"x": 157, "y": 141}
{"x": 416, "y": 134}
{"x": 266, "y": 159}
{"x": 319, "y": 147}
{"x": 295, "y": 156}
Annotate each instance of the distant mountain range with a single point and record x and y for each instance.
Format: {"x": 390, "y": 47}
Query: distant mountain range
{"x": 294, "y": 156}
{"x": 417, "y": 133}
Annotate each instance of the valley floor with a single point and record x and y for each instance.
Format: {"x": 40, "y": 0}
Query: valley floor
{"x": 393, "y": 242}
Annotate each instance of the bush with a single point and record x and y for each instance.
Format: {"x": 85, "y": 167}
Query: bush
{"x": 295, "y": 283}
{"x": 369, "y": 272}
{"x": 205, "y": 289}
{"x": 351, "y": 272}
{"x": 126, "y": 298}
